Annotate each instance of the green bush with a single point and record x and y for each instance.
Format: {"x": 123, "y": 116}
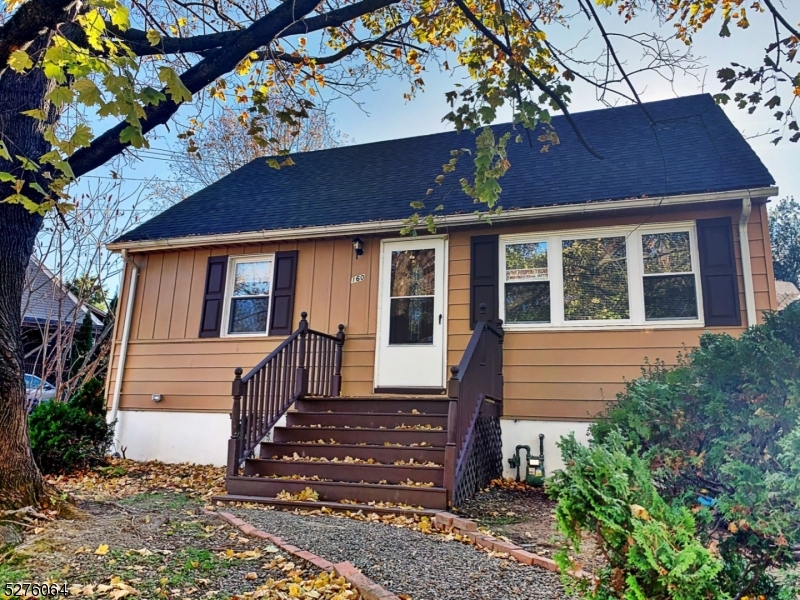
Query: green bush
{"x": 710, "y": 450}
{"x": 66, "y": 436}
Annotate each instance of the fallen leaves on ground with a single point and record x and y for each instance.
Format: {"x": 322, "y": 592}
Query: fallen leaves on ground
{"x": 306, "y": 495}
{"x": 122, "y": 478}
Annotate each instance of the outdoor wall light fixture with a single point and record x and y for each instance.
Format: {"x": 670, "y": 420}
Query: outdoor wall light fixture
{"x": 157, "y": 397}
{"x": 358, "y": 247}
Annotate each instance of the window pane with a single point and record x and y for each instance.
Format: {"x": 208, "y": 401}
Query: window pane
{"x": 526, "y": 261}
{"x": 413, "y": 272}
{"x": 670, "y": 297}
{"x": 595, "y": 279}
{"x": 252, "y": 278}
{"x": 411, "y": 321}
{"x": 528, "y": 302}
{"x": 667, "y": 253}
{"x": 249, "y": 315}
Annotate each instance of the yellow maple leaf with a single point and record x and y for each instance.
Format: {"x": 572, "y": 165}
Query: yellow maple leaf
{"x": 102, "y": 550}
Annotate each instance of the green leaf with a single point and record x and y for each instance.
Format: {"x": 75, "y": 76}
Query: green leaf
{"x": 153, "y": 37}
{"x": 120, "y": 16}
{"x": 80, "y": 138}
{"x": 4, "y": 151}
{"x": 6, "y": 177}
{"x": 88, "y": 93}
{"x": 27, "y": 164}
{"x": 20, "y": 61}
{"x": 64, "y": 167}
{"x": 60, "y": 95}
{"x": 53, "y": 71}
{"x": 94, "y": 26}
{"x": 133, "y": 136}
{"x": 38, "y": 188}
{"x": 36, "y": 113}
{"x": 151, "y": 95}
{"x": 273, "y": 163}
{"x": 175, "y": 87}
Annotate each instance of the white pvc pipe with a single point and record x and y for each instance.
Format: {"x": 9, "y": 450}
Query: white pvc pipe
{"x": 747, "y": 267}
{"x": 123, "y": 351}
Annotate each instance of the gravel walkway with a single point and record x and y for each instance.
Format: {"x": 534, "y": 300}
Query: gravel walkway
{"x": 425, "y": 567}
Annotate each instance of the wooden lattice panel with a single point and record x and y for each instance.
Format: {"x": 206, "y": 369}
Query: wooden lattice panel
{"x": 485, "y": 460}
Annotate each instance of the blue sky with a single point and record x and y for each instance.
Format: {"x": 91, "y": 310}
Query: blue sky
{"x": 384, "y": 114}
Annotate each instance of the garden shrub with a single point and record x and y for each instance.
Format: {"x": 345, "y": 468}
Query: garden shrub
{"x": 710, "y": 451}
{"x": 66, "y": 436}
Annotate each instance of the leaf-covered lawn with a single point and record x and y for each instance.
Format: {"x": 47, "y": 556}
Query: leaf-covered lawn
{"x": 140, "y": 531}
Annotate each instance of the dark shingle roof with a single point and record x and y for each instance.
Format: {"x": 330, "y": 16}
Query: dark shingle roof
{"x": 694, "y": 148}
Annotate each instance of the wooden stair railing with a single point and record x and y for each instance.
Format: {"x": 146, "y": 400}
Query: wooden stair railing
{"x": 307, "y": 363}
{"x": 473, "y": 455}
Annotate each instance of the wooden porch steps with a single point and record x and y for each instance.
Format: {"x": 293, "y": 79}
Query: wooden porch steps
{"x": 382, "y": 450}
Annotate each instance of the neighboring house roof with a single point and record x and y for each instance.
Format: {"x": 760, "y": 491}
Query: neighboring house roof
{"x": 787, "y": 293}
{"x": 693, "y": 148}
{"x": 45, "y": 299}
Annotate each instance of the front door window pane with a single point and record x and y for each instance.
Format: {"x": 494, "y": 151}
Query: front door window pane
{"x": 595, "y": 279}
{"x": 412, "y": 292}
{"x": 411, "y": 321}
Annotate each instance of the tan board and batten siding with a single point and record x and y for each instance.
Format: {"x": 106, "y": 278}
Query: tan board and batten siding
{"x": 555, "y": 375}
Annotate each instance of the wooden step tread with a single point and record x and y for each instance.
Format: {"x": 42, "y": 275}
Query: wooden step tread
{"x": 336, "y": 506}
{"x": 338, "y": 491}
{"x": 346, "y": 446}
{"x": 336, "y": 463}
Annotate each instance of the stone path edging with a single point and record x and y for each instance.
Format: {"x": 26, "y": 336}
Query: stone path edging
{"x": 468, "y": 528}
{"x": 368, "y": 589}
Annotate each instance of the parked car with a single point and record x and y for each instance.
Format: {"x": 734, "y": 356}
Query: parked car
{"x": 37, "y": 390}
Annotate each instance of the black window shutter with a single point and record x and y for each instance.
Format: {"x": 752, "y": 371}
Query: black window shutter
{"x": 214, "y": 297}
{"x": 718, "y": 272}
{"x": 280, "y": 322}
{"x": 484, "y": 277}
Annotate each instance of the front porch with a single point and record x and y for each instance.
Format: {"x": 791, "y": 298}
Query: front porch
{"x": 396, "y": 453}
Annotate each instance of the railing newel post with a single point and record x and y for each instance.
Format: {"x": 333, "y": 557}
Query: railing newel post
{"x": 234, "y": 444}
{"x": 301, "y": 380}
{"x": 451, "y": 449}
{"x": 336, "y": 387}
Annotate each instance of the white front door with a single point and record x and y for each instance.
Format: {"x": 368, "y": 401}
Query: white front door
{"x": 411, "y": 320}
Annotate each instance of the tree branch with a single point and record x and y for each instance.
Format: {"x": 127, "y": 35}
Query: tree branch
{"x": 795, "y": 32}
{"x": 343, "y": 53}
{"x": 215, "y": 65}
{"x": 137, "y": 39}
{"x": 538, "y": 82}
{"x": 27, "y": 23}
{"x": 617, "y": 61}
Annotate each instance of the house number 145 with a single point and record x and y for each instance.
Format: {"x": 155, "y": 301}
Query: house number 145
{"x": 357, "y": 278}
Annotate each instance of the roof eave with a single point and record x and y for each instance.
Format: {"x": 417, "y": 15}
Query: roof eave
{"x": 444, "y": 221}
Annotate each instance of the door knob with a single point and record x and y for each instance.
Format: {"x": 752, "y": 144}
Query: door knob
{"x": 440, "y": 319}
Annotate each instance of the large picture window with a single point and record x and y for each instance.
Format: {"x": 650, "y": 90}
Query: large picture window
{"x": 248, "y": 294}
{"x": 634, "y": 276}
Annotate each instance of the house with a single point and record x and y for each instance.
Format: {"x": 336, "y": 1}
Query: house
{"x": 593, "y": 266}
{"x": 787, "y": 293}
{"x": 51, "y": 315}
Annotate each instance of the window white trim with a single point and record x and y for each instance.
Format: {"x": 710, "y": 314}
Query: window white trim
{"x": 224, "y": 329}
{"x": 635, "y": 264}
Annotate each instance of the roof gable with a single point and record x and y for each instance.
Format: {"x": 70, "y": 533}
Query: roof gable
{"x": 693, "y": 148}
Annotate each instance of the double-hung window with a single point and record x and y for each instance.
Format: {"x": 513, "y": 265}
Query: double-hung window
{"x": 619, "y": 277}
{"x": 248, "y": 294}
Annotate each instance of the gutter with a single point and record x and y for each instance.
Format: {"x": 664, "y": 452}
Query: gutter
{"x": 587, "y": 208}
{"x": 747, "y": 267}
{"x": 123, "y": 351}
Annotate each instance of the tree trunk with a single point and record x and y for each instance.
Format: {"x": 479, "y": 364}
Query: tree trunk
{"x": 21, "y": 482}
